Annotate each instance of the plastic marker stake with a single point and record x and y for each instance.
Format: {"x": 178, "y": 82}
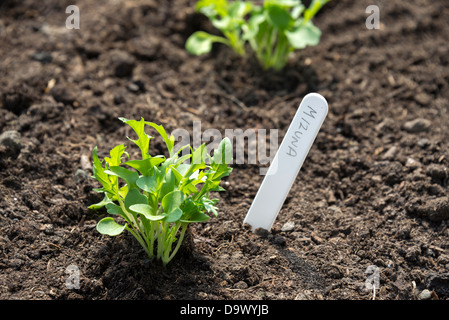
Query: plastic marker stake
{"x": 287, "y": 162}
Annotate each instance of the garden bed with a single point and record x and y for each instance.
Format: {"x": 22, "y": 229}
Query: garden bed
{"x": 373, "y": 190}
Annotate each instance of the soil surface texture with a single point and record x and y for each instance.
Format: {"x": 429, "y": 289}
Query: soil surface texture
{"x": 370, "y": 202}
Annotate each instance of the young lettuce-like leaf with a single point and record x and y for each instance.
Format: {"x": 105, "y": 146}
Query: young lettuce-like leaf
{"x": 147, "y": 211}
{"x": 278, "y": 16}
{"x": 172, "y": 201}
{"x": 109, "y": 227}
{"x": 148, "y": 184}
{"x": 145, "y": 166}
{"x": 304, "y": 35}
{"x": 201, "y": 42}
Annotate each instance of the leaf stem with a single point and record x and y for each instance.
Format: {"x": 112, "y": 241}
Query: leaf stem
{"x": 178, "y": 245}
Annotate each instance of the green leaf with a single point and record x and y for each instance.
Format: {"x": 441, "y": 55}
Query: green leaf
{"x": 198, "y": 160}
{"x": 134, "y": 197}
{"x": 145, "y": 166}
{"x": 297, "y": 11}
{"x": 278, "y": 16}
{"x": 169, "y": 140}
{"x": 116, "y": 156}
{"x": 109, "y": 227}
{"x": 239, "y": 9}
{"x": 224, "y": 24}
{"x": 209, "y": 205}
{"x": 223, "y": 153}
{"x": 212, "y": 7}
{"x": 100, "y": 204}
{"x": 251, "y": 28}
{"x": 148, "y": 184}
{"x": 168, "y": 184}
{"x": 220, "y": 160}
{"x": 143, "y": 141}
{"x": 304, "y": 35}
{"x": 200, "y": 42}
{"x": 114, "y": 209}
{"x": 99, "y": 173}
{"x": 284, "y": 3}
{"x": 146, "y": 211}
{"x": 173, "y": 216}
{"x": 172, "y": 201}
{"x": 129, "y": 176}
{"x": 196, "y": 217}
{"x": 313, "y": 9}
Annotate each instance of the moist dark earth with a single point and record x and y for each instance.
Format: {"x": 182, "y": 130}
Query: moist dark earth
{"x": 371, "y": 195}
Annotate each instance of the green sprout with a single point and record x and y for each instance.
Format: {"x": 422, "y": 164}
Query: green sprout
{"x": 228, "y": 17}
{"x": 158, "y": 197}
{"x": 273, "y": 30}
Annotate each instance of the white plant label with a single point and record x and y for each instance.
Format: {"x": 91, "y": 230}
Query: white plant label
{"x": 287, "y": 162}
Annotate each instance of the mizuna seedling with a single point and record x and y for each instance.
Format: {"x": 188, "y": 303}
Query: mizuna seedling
{"x": 287, "y": 162}
{"x": 273, "y": 30}
{"x": 158, "y": 197}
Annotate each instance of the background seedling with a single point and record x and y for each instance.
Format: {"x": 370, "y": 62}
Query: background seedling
{"x": 158, "y": 197}
{"x": 273, "y": 30}
{"x": 228, "y": 17}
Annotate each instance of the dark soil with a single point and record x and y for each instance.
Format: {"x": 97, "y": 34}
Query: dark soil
{"x": 372, "y": 192}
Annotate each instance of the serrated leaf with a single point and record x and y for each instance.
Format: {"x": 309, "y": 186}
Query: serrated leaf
{"x": 143, "y": 141}
{"x": 99, "y": 173}
{"x": 109, "y": 227}
{"x": 209, "y": 205}
{"x": 116, "y": 155}
{"x": 169, "y": 140}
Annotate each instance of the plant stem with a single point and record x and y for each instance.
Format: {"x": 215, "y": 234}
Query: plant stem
{"x": 168, "y": 258}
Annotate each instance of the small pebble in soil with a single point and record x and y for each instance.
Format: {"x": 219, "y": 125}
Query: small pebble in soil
{"x": 417, "y": 125}
{"x": 425, "y": 295}
{"x": 288, "y": 226}
{"x": 11, "y": 140}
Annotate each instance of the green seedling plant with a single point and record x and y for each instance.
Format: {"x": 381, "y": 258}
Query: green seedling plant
{"x": 273, "y": 30}
{"x": 280, "y": 27}
{"x": 158, "y": 197}
{"x": 228, "y": 17}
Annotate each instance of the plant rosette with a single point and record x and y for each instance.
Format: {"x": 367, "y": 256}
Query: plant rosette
{"x": 273, "y": 30}
{"x": 158, "y": 197}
